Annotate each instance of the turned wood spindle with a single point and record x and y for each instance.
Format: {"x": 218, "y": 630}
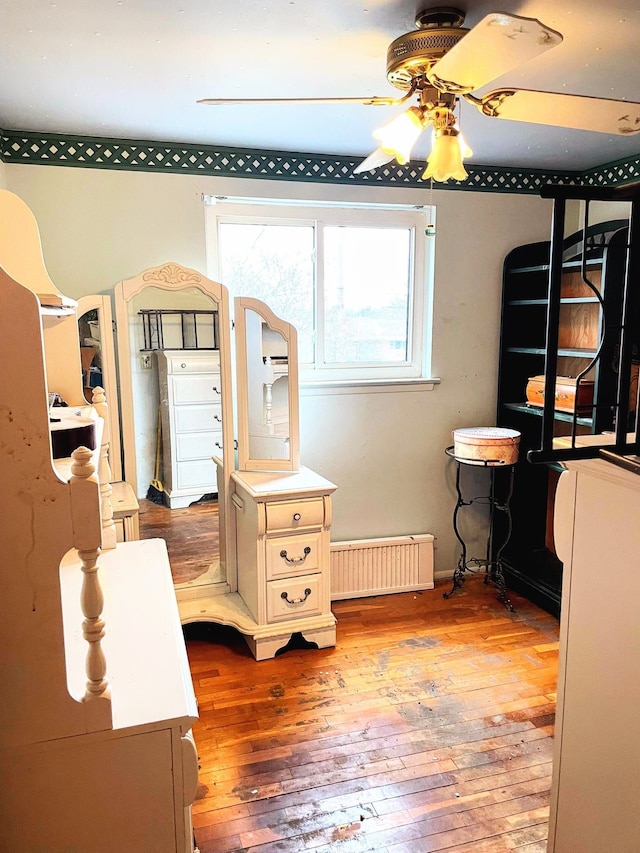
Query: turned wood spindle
{"x": 91, "y": 597}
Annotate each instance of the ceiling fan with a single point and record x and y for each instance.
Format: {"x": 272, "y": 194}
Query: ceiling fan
{"x": 441, "y": 62}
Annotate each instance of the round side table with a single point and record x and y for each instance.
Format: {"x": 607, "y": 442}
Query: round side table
{"x": 492, "y": 561}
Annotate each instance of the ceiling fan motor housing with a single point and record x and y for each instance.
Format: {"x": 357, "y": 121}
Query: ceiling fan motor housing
{"x": 413, "y": 54}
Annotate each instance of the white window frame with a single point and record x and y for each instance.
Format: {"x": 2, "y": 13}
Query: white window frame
{"x": 417, "y": 366}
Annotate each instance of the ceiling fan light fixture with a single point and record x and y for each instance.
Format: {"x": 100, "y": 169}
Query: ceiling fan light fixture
{"x": 442, "y": 62}
{"x": 398, "y": 137}
{"x": 445, "y": 160}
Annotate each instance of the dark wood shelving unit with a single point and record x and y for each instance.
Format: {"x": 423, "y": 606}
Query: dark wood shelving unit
{"x": 530, "y": 564}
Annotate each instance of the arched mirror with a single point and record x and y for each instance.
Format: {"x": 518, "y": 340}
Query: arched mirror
{"x": 267, "y": 389}
{"x": 97, "y": 354}
{"x": 175, "y": 396}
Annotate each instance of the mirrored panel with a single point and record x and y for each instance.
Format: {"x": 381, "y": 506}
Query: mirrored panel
{"x": 267, "y": 389}
{"x": 97, "y": 353}
{"x": 173, "y": 356}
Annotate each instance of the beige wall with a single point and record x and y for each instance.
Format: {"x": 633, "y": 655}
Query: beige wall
{"x": 384, "y": 450}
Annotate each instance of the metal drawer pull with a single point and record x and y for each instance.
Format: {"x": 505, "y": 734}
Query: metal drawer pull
{"x": 285, "y": 597}
{"x": 217, "y": 390}
{"x": 292, "y": 561}
{"x": 296, "y": 516}
{"x": 217, "y": 418}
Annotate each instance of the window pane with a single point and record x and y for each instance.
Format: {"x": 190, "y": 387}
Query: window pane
{"x": 366, "y": 294}
{"x": 273, "y": 263}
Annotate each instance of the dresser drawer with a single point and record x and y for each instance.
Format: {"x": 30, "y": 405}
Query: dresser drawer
{"x": 295, "y": 515}
{"x": 192, "y": 363}
{"x": 198, "y": 445}
{"x": 205, "y": 388}
{"x": 198, "y": 418}
{"x": 291, "y": 598}
{"x": 293, "y": 555}
{"x": 199, "y": 474}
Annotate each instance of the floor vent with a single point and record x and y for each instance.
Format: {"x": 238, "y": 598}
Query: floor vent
{"x": 380, "y": 566}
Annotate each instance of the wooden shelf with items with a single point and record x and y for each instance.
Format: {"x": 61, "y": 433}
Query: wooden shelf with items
{"x": 585, "y": 365}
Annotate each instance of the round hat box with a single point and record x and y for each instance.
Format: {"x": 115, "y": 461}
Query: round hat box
{"x": 486, "y": 445}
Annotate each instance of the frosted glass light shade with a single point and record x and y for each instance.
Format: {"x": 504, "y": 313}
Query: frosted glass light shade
{"x": 399, "y": 136}
{"x": 445, "y": 160}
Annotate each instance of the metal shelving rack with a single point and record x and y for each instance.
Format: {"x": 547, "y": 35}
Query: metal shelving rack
{"x": 191, "y": 324}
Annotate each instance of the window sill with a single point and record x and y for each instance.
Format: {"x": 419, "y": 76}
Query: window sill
{"x": 365, "y": 386}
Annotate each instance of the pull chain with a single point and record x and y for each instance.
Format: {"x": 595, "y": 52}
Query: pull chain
{"x": 430, "y": 230}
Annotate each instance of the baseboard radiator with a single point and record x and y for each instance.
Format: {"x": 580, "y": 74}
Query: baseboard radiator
{"x": 381, "y": 566}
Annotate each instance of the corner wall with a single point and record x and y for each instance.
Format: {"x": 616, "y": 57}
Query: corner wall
{"x": 385, "y": 450}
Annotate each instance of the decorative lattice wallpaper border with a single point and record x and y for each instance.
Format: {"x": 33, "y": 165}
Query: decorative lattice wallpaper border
{"x": 137, "y": 155}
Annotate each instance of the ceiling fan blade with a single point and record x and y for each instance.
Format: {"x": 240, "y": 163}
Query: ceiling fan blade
{"x": 370, "y": 101}
{"x": 578, "y": 112}
{"x": 494, "y": 46}
{"x": 373, "y": 161}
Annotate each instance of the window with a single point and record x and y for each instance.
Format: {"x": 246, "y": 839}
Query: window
{"x": 352, "y": 280}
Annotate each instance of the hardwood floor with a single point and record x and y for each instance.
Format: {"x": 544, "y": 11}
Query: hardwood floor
{"x": 191, "y": 534}
{"x": 428, "y": 727}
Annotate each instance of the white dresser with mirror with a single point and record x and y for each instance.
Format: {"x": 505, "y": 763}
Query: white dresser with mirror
{"x": 266, "y": 583}
{"x": 97, "y": 699}
{"x": 282, "y": 510}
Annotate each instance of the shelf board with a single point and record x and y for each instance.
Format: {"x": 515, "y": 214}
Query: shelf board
{"x": 536, "y": 411}
{"x": 567, "y": 265}
{"x": 569, "y": 300}
{"x": 57, "y": 310}
{"x": 527, "y": 350}
{"x": 570, "y": 353}
{"x": 577, "y": 353}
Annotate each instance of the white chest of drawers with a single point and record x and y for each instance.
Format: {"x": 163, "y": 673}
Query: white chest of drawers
{"x": 283, "y": 521}
{"x": 191, "y": 408}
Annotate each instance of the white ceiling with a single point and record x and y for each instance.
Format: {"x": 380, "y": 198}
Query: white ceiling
{"x": 135, "y": 68}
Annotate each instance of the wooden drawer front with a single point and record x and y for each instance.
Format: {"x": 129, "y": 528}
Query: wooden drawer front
{"x": 293, "y": 555}
{"x": 196, "y": 389}
{"x": 295, "y": 515}
{"x": 197, "y": 445}
{"x": 188, "y": 364}
{"x": 291, "y": 598}
{"x": 198, "y": 474}
{"x": 198, "y": 418}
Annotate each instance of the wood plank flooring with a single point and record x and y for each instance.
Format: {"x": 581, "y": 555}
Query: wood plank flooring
{"x": 428, "y": 727}
{"x": 191, "y": 535}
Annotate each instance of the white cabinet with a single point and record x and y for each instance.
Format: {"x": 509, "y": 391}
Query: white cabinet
{"x": 97, "y": 700}
{"x": 191, "y": 408}
{"x": 282, "y": 535}
{"x": 128, "y": 785}
{"x": 594, "y": 795}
